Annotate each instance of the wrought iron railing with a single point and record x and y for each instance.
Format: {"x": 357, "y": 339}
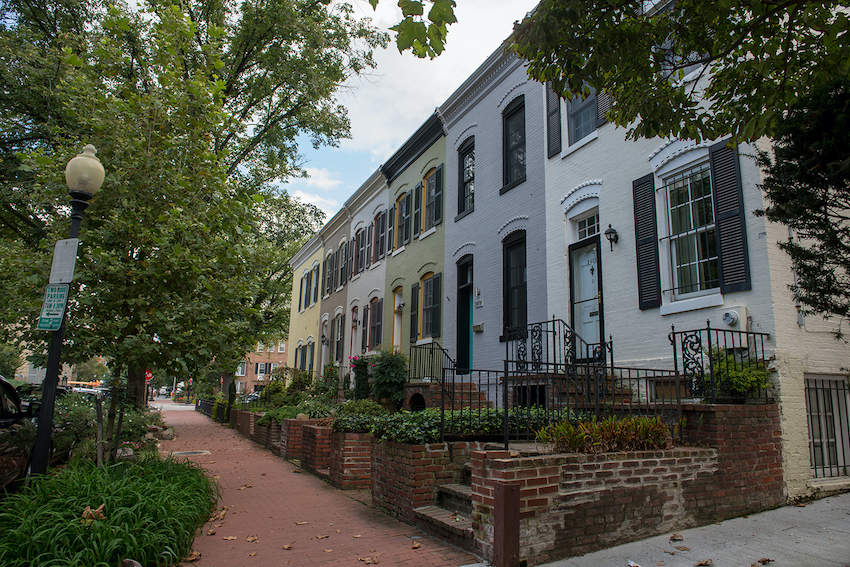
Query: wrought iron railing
{"x": 719, "y": 365}
{"x": 219, "y": 411}
{"x": 551, "y": 342}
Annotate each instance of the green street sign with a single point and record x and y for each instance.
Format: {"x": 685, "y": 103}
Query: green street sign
{"x": 53, "y": 307}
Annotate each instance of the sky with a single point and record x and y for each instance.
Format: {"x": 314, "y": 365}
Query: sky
{"x": 386, "y": 107}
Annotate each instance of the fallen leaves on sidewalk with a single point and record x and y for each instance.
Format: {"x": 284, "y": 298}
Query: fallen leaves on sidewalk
{"x": 328, "y": 550}
{"x": 301, "y": 523}
{"x": 765, "y": 561}
{"x": 358, "y": 535}
{"x": 251, "y": 538}
{"x": 676, "y": 537}
{"x": 210, "y": 532}
{"x": 219, "y": 515}
{"x": 705, "y": 563}
{"x": 288, "y": 547}
{"x": 252, "y": 554}
{"x": 373, "y": 560}
{"x": 683, "y": 548}
{"x": 416, "y": 545}
{"x": 322, "y": 536}
{"x": 192, "y": 557}
{"x": 244, "y": 486}
{"x": 229, "y": 537}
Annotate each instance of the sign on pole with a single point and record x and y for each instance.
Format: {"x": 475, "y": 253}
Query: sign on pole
{"x": 53, "y": 307}
{"x": 64, "y": 261}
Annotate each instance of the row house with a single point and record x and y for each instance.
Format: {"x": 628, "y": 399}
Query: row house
{"x": 511, "y": 206}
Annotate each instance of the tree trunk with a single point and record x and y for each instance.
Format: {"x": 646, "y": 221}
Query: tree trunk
{"x": 136, "y": 385}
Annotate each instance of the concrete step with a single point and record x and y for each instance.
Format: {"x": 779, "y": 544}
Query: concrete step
{"x": 455, "y": 526}
{"x": 455, "y": 498}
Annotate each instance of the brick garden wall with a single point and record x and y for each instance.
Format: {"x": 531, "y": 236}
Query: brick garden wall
{"x": 316, "y": 448}
{"x": 291, "y": 435}
{"x": 405, "y": 477}
{"x": 351, "y": 460}
{"x": 749, "y": 448}
{"x": 245, "y": 421}
{"x": 267, "y": 434}
{"x": 573, "y": 504}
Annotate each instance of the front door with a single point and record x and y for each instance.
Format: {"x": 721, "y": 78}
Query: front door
{"x": 586, "y": 290}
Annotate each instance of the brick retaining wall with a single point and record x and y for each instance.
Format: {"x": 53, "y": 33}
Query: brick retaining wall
{"x": 351, "y": 460}
{"x": 573, "y": 504}
{"x": 405, "y": 477}
{"x": 267, "y": 434}
{"x": 315, "y": 448}
{"x": 291, "y": 437}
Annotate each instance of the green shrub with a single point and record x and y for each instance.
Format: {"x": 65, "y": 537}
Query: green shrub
{"x": 607, "y": 436}
{"x": 354, "y": 423}
{"x": 360, "y": 367}
{"x": 279, "y": 414}
{"x": 389, "y": 374}
{"x": 151, "y": 511}
{"x": 316, "y": 407}
{"x": 408, "y": 427}
{"x": 739, "y": 376}
{"x": 362, "y": 407}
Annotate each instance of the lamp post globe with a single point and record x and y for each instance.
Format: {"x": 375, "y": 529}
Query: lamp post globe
{"x": 84, "y": 175}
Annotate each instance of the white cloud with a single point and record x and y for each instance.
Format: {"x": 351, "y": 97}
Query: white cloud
{"x": 386, "y": 108}
{"x": 319, "y": 178}
{"x": 329, "y": 205}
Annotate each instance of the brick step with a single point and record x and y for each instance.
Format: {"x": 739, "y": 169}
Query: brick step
{"x": 454, "y": 526}
{"x": 455, "y": 498}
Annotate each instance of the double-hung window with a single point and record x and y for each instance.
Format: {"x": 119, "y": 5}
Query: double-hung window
{"x": 466, "y": 177}
{"x": 581, "y": 117}
{"x": 513, "y": 144}
{"x": 402, "y": 220}
{"x": 433, "y": 198}
{"x": 338, "y": 340}
{"x": 693, "y": 238}
{"x": 515, "y": 301}
{"x": 704, "y": 233}
{"x": 425, "y": 311}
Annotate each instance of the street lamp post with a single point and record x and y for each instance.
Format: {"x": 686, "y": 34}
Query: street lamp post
{"x": 84, "y": 176}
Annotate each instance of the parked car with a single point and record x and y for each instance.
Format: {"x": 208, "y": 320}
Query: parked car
{"x": 17, "y": 435}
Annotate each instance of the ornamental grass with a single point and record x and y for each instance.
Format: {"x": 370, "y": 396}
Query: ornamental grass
{"x": 84, "y": 516}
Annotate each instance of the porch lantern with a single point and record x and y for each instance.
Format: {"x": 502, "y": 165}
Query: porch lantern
{"x": 612, "y": 236}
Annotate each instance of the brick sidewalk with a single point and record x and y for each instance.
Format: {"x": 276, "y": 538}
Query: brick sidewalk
{"x": 272, "y": 500}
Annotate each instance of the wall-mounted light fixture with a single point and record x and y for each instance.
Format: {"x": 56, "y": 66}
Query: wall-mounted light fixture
{"x": 325, "y": 340}
{"x": 399, "y": 307}
{"x": 612, "y": 236}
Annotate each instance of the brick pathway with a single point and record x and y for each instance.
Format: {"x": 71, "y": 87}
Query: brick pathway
{"x": 271, "y": 500}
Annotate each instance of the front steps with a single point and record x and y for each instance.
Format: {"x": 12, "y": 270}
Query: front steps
{"x": 451, "y": 517}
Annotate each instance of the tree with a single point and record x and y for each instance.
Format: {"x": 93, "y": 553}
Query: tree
{"x": 807, "y": 185}
{"x": 91, "y": 370}
{"x": 10, "y": 361}
{"x": 759, "y": 57}
{"x": 195, "y": 108}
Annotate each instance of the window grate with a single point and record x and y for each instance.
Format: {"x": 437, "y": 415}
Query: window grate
{"x": 827, "y": 403}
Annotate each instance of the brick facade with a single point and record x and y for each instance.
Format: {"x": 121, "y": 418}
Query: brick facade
{"x": 291, "y": 438}
{"x": 351, "y": 460}
{"x": 267, "y": 434}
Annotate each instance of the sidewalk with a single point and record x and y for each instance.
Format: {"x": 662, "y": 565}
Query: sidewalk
{"x": 271, "y": 500}
{"x": 814, "y": 535}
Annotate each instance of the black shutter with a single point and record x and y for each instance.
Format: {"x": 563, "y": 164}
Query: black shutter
{"x": 369, "y": 236}
{"x": 351, "y": 263}
{"x": 311, "y": 355}
{"x": 316, "y": 284}
{"x": 301, "y": 293}
{"x": 343, "y": 270}
{"x": 325, "y": 277}
{"x": 646, "y": 235}
{"x": 390, "y": 227}
{"x": 332, "y": 338}
{"x": 436, "y": 298}
{"x": 553, "y": 121}
{"x": 381, "y": 236}
{"x": 378, "y": 317}
{"x": 414, "y": 313}
{"x": 729, "y": 219}
{"x": 341, "y": 338}
{"x": 417, "y": 209}
{"x": 438, "y": 196}
{"x": 365, "y": 324}
{"x": 603, "y": 105}
{"x": 407, "y": 203}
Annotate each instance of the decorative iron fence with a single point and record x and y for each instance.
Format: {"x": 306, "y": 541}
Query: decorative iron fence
{"x": 216, "y": 410}
{"x": 828, "y": 411}
{"x": 719, "y": 365}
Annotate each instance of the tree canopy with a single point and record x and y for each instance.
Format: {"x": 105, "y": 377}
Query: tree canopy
{"x": 760, "y": 57}
{"x": 195, "y": 108}
{"x": 807, "y": 185}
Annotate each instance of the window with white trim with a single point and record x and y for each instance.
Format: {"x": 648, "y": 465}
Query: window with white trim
{"x": 588, "y": 226}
